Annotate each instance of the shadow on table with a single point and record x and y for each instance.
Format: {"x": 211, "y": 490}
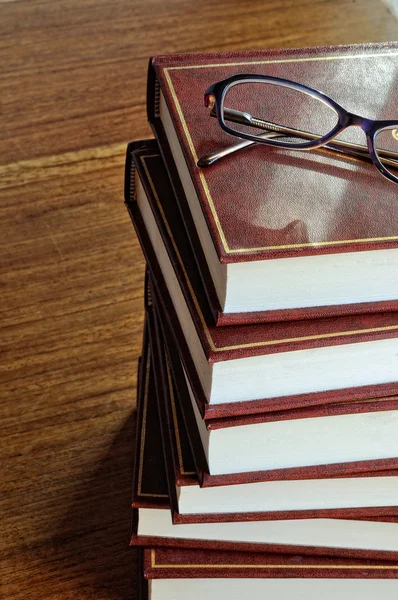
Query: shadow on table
{"x": 91, "y": 544}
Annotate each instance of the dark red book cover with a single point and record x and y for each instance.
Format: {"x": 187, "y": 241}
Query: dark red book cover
{"x": 172, "y": 563}
{"x": 291, "y": 229}
{"x": 227, "y": 343}
{"x": 348, "y": 218}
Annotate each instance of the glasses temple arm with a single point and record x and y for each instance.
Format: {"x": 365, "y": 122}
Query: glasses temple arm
{"x": 244, "y": 118}
{"x": 212, "y": 157}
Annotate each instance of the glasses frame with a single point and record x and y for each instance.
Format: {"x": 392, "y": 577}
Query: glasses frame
{"x": 215, "y": 97}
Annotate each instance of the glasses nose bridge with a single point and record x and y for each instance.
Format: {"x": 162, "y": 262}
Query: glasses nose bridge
{"x": 358, "y": 121}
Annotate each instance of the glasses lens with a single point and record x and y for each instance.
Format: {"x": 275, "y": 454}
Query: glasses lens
{"x": 288, "y": 115}
{"x": 386, "y": 147}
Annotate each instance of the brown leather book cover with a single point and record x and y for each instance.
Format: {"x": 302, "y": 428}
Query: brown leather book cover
{"x": 177, "y": 459}
{"x": 178, "y": 196}
{"x": 227, "y": 343}
{"x": 332, "y": 205}
{"x": 172, "y": 563}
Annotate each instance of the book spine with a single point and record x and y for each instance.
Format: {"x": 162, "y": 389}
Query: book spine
{"x": 141, "y": 364}
{"x": 150, "y": 92}
{"x": 176, "y": 262}
{"x": 169, "y": 458}
{"x": 182, "y": 397}
{"x": 159, "y": 285}
{"x": 153, "y": 95}
{"x": 169, "y": 412}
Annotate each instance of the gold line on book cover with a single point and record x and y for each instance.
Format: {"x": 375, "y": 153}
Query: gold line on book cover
{"x": 143, "y": 433}
{"x": 175, "y": 420}
{"x": 202, "y": 177}
{"x": 213, "y": 347}
{"x": 278, "y": 60}
{"x": 156, "y": 565}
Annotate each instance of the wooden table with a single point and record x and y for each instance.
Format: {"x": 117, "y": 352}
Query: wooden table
{"x": 72, "y": 93}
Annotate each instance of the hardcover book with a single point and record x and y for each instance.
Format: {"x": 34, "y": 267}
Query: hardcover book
{"x": 365, "y": 483}
{"x": 374, "y": 535}
{"x": 282, "y": 233}
{"x": 253, "y": 368}
{"x": 171, "y": 574}
{"x": 305, "y": 442}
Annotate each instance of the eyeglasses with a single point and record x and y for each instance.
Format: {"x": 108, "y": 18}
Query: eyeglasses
{"x": 284, "y": 114}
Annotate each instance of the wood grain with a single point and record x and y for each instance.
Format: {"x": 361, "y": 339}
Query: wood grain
{"x": 72, "y": 93}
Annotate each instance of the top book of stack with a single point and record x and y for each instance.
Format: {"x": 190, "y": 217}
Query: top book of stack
{"x": 281, "y": 235}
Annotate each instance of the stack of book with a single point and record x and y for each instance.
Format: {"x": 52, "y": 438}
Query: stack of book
{"x": 267, "y": 445}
